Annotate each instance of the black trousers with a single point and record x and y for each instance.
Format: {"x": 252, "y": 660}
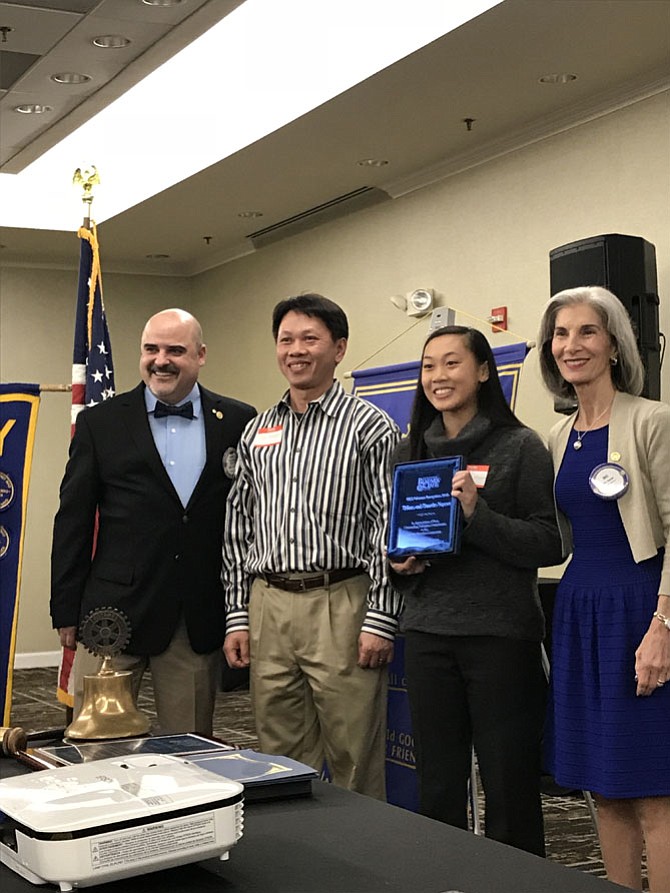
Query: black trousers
{"x": 488, "y": 692}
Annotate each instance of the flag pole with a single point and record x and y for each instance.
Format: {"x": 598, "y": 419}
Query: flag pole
{"x": 87, "y": 179}
{"x": 92, "y": 366}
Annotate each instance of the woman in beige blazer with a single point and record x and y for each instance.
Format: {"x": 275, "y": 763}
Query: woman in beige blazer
{"x": 608, "y": 727}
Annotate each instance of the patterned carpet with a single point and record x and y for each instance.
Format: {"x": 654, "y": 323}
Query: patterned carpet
{"x": 570, "y": 835}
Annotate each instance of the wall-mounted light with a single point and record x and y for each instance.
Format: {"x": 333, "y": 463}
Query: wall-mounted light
{"x": 415, "y": 303}
{"x": 420, "y": 301}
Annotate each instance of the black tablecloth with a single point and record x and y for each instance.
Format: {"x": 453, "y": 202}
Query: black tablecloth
{"x": 339, "y": 842}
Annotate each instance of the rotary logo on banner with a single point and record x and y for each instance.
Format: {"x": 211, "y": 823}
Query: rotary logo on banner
{"x": 392, "y": 389}
{"x": 18, "y": 418}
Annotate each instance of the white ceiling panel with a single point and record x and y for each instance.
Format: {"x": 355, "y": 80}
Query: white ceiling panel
{"x": 410, "y": 114}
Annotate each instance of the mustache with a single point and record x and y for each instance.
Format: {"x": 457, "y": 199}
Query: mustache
{"x": 168, "y": 367}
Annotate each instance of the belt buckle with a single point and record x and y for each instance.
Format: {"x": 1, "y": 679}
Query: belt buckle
{"x": 301, "y": 584}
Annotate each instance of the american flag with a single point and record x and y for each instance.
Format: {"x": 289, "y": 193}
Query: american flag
{"x": 92, "y": 368}
{"x": 92, "y": 377}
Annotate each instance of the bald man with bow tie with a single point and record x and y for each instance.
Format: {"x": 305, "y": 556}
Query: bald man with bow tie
{"x": 156, "y": 465}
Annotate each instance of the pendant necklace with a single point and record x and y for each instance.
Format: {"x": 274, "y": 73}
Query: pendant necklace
{"x": 577, "y": 445}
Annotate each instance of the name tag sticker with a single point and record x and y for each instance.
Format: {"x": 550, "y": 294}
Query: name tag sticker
{"x": 268, "y": 436}
{"x": 478, "y": 473}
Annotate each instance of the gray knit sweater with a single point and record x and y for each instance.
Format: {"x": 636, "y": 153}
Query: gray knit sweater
{"x": 490, "y": 588}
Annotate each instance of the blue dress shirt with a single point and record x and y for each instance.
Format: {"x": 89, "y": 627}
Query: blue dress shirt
{"x": 180, "y": 443}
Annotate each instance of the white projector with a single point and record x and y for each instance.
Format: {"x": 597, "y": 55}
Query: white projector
{"x": 77, "y": 826}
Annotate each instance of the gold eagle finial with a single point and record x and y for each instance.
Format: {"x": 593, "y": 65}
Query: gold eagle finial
{"x": 87, "y": 179}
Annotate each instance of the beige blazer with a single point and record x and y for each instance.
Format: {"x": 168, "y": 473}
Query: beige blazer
{"x": 639, "y": 441}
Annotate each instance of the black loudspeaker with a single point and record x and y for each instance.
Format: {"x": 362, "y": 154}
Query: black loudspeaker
{"x": 626, "y": 265}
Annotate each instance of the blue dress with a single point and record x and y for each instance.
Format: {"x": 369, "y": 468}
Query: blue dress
{"x": 600, "y": 736}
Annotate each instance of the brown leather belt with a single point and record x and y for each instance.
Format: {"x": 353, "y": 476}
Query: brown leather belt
{"x": 311, "y": 581}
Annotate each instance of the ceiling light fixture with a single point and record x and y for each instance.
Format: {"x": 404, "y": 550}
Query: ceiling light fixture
{"x": 382, "y": 35}
{"x": 33, "y": 109}
{"x": 372, "y": 162}
{"x": 110, "y": 41}
{"x": 557, "y": 78}
{"x": 70, "y": 77}
{"x": 162, "y": 2}
{"x": 250, "y": 215}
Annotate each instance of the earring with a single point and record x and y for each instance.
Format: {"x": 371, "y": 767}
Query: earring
{"x": 614, "y": 360}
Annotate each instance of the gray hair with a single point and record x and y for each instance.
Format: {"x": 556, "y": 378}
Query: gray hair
{"x": 627, "y": 374}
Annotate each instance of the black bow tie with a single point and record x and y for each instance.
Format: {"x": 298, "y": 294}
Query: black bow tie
{"x": 165, "y": 409}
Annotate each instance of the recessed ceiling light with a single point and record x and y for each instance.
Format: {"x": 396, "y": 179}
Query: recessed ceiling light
{"x": 372, "y": 162}
{"x": 33, "y": 109}
{"x": 157, "y": 256}
{"x": 110, "y": 41}
{"x": 70, "y": 77}
{"x": 162, "y": 2}
{"x": 557, "y": 78}
{"x": 376, "y": 42}
{"x": 250, "y": 215}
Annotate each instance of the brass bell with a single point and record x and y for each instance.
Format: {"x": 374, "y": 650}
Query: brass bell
{"x": 108, "y": 709}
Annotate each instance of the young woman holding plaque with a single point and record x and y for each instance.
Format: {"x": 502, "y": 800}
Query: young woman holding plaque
{"x": 472, "y": 621}
{"x": 609, "y": 716}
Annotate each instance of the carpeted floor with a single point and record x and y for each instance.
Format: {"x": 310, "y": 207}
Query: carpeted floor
{"x": 571, "y": 838}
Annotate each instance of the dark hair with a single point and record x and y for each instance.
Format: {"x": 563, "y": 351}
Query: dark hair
{"x": 491, "y": 401}
{"x": 311, "y": 304}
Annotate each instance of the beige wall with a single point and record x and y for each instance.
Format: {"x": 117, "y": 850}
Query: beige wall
{"x": 36, "y": 330}
{"x": 481, "y": 238}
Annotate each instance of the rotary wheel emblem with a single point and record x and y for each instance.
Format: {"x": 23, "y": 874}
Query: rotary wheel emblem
{"x": 7, "y": 491}
{"x": 105, "y": 631}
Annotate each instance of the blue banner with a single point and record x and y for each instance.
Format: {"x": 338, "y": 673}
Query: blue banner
{"x": 18, "y": 418}
{"x": 401, "y": 781}
{"x": 392, "y": 389}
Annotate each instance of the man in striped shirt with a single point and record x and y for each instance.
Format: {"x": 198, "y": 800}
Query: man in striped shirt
{"x": 309, "y": 605}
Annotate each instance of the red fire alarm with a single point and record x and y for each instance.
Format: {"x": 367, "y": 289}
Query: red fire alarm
{"x": 498, "y": 319}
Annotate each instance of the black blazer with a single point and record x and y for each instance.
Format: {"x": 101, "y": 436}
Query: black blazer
{"x": 154, "y": 559}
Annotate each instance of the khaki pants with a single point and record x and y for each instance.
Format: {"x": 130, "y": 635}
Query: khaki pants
{"x": 184, "y": 683}
{"x": 311, "y": 700}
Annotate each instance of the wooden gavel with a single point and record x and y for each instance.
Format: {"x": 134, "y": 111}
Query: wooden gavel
{"x": 14, "y": 743}
{"x": 12, "y": 740}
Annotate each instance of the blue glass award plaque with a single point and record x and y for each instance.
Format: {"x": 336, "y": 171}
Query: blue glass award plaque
{"x": 425, "y": 518}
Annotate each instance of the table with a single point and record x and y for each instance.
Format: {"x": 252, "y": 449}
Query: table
{"x": 340, "y": 842}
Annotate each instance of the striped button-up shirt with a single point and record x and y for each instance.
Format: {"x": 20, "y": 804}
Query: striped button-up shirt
{"x": 312, "y": 494}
